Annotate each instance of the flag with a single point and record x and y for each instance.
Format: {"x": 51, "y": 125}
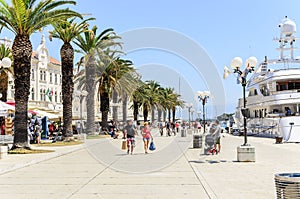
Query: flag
{"x": 49, "y": 93}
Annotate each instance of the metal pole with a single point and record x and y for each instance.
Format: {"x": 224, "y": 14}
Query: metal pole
{"x": 189, "y": 117}
{"x": 245, "y": 119}
{"x": 81, "y": 126}
{"x": 203, "y": 104}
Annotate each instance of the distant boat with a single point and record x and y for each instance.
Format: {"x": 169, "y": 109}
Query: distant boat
{"x": 273, "y": 92}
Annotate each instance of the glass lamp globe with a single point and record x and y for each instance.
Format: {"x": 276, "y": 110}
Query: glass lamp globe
{"x": 251, "y": 62}
{"x": 6, "y": 62}
{"x": 236, "y": 62}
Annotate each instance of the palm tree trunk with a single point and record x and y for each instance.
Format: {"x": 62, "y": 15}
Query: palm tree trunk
{"x": 90, "y": 98}
{"x": 165, "y": 115}
{"x": 67, "y": 59}
{"x": 104, "y": 108}
{"x": 152, "y": 114}
{"x": 169, "y": 115}
{"x": 145, "y": 113}
{"x": 21, "y": 50}
{"x": 173, "y": 113}
{"x": 124, "y": 105}
{"x": 115, "y": 108}
{"x": 135, "y": 110}
{"x": 159, "y": 113}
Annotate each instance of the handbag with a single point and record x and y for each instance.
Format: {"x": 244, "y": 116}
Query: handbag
{"x": 152, "y": 146}
{"x": 124, "y": 145}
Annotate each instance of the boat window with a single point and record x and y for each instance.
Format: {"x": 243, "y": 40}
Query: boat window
{"x": 253, "y": 92}
{"x": 264, "y": 90}
{"x": 290, "y": 85}
{"x": 293, "y": 85}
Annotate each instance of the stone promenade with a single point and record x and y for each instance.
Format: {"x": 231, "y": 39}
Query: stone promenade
{"x": 100, "y": 169}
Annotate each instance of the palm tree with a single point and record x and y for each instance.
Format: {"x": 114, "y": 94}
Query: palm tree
{"x": 4, "y": 52}
{"x": 67, "y": 31}
{"x": 137, "y": 97}
{"x": 90, "y": 45}
{"x": 118, "y": 75}
{"x": 23, "y": 18}
{"x": 154, "y": 89}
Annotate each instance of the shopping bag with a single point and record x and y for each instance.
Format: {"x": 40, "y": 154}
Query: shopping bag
{"x": 152, "y": 146}
{"x": 124, "y": 145}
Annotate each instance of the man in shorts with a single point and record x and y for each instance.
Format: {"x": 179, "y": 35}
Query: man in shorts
{"x": 217, "y": 137}
{"x": 130, "y": 132}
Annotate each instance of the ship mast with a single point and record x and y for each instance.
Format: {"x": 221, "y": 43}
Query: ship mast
{"x": 286, "y": 40}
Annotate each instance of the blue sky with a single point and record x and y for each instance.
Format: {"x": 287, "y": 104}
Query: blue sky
{"x": 223, "y": 29}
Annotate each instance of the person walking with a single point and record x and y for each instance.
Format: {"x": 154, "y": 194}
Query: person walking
{"x": 130, "y": 132}
{"x": 217, "y": 137}
{"x": 146, "y": 136}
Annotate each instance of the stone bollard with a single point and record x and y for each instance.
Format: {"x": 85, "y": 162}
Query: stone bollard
{"x": 3, "y": 152}
{"x": 246, "y": 154}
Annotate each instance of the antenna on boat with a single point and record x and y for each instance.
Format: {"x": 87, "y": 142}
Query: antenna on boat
{"x": 287, "y": 38}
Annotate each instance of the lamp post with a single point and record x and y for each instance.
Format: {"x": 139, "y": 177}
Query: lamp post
{"x": 81, "y": 95}
{"x": 4, "y": 64}
{"x": 203, "y": 97}
{"x": 192, "y": 111}
{"x": 189, "y": 106}
{"x": 236, "y": 64}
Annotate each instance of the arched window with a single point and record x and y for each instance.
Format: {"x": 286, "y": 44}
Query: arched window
{"x": 55, "y": 96}
{"x": 41, "y": 95}
{"x": 50, "y": 77}
{"x": 44, "y": 94}
{"x": 41, "y": 75}
{"x": 44, "y": 75}
{"x": 55, "y": 78}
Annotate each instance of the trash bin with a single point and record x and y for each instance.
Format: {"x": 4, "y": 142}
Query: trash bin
{"x": 197, "y": 141}
{"x": 287, "y": 185}
{"x": 183, "y": 132}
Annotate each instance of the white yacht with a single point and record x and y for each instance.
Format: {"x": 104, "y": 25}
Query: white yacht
{"x": 273, "y": 92}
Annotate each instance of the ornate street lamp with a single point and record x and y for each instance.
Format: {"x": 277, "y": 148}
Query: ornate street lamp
{"x": 189, "y": 106}
{"x": 250, "y": 64}
{"x": 245, "y": 152}
{"x": 81, "y": 95}
{"x": 4, "y": 64}
{"x": 203, "y": 97}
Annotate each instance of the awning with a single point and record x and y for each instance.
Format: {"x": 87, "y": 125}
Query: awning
{"x": 45, "y": 113}
{"x": 5, "y": 107}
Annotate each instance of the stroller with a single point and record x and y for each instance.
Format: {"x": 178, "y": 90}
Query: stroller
{"x": 209, "y": 145}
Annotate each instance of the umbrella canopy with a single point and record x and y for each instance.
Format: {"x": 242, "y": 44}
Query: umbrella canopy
{"x": 6, "y": 107}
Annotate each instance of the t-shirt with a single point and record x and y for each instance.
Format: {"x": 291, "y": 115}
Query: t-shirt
{"x": 217, "y": 132}
{"x": 130, "y": 131}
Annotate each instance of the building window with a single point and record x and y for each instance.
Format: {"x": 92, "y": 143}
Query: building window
{"x": 55, "y": 78}
{"x": 12, "y": 93}
{"x": 44, "y": 75}
{"x": 32, "y": 94}
{"x": 50, "y": 77}
{"x": 32, "y": 74}
{"x": 44, "y": 95}
{"x": 41, "y": 75}
{"x": 55, "y": 96}
{"x": 41, "y": 95}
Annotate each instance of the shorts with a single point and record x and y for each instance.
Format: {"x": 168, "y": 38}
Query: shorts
{"x": 218, "y": 141}
{"x": 131, "y": 141}
{"x": 146, "y": 139}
